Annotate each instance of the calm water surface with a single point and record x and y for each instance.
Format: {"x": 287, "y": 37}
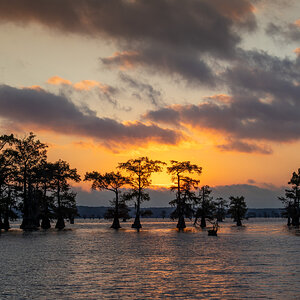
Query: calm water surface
{"x": 91, "y": 261}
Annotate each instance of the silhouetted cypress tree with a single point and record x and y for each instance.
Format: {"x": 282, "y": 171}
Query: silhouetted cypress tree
{"x": 140, "y": 171}
{"x": 205, "y": 206}
{"x": 237, "y": 209}
{"x": 184, "y": 187}
{"x": 112, "y": 181}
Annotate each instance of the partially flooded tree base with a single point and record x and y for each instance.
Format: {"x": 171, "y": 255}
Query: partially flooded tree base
{"x": 60, "y": 224}
{"x": 238, "y": 223}
{"x": 45, "y": 223}
{"x": 28, "y": 227}
{"x": 181, "y": 223}
{"x": 115, "y": 224}
{"x": 203, "y": 223}
{"x": 6, "y": 225}
{"x": 137, "y": 224}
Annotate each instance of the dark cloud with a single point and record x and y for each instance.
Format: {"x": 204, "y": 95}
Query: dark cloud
{"x": 264, "y": 103}
{"x": 142, "y": 90}
{"x": 38, "y": 109}
{"x": 205, "y": 25}
{"x": 175, "y": 37}
{"x": 187, "y": 64}
{"x": 241, "y": 146}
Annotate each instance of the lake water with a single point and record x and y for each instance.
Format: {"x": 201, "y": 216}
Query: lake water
{"x": 91, "y": 261}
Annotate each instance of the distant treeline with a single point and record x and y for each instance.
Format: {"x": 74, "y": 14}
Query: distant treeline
{"x": 41, "y": 190}
{"x": 100, "y": 212}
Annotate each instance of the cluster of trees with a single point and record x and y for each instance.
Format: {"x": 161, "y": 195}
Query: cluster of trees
{"x": 41, "y": 189}
{"x": 291, "y": 200}
{"x": 29, "y": 183}
{"x": 189, "y": 202}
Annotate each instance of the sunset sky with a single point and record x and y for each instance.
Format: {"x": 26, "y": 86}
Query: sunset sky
{"x": 211, "y": 81}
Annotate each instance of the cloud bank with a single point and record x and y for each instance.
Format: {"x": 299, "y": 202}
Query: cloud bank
{"x": 173, "y": 37}
{"x": 38, "y": 109}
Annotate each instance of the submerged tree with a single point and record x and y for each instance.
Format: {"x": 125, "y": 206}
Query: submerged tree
{"x": 140, "y": 171}
{"x": 65, "y": 199}
{"x": 123, "y": 210}
{"x": 205, "y": 206}
{"x": 292, "y": 200}
{"x": 112, "y": 181}
{"x": 45, "y": 187}
{"x": 220, "y": 209}
{"x": 237, "y": 209}
{"x": 28, "y": 153}
{"x": 185, "y": 189}
{"x": 8, "y": 187}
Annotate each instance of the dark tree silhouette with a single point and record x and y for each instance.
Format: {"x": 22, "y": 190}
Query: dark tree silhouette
{"x": 8, "y": 188}
{"x": 140, "y": 171}
{"x": 45, "y": 187}
{"x": 65, "y": 200}
{"x": 205, "y": 207}
{"x": 237, "y": 209}
{"x": 184, "y": 187}
{"x": 292, "y": 200}
{"x": 112, "y": 181}
{"x": 27, "y": 154}
{"x": 123, "y": 211}
{"x": 220, "y": 209}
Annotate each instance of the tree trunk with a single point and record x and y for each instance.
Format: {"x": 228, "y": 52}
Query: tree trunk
{"x": 195, "y": 222}
{"x": 203, "y": 222}
{"x": 1, "y": 224}
{"x": 116, "y": 222}
{"x": 238, "y": 222}
{"x": 29, "y": 222}
{"x": 289, "y": 221}
{"x": 45, "y": 219}
{"x": 60, "y": 224}
{"x": 137, "y": 222}
{"x": 181, "y": 222}
{"x": 45, "y": 223}
{"x": 6, "y": 226}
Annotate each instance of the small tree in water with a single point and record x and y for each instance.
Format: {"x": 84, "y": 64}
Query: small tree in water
{"x": 220, "y": 206}
{"x": 292, "y": 200}
{"x": 62, "y": 174}
{"x": 237, "y": 209}
{"x": 111, "y": 182}
{"x": 123, "y": 210}
{"x": 205, "y": 206}
{"x": 184, "y": 187}
{"x": 140, "y": 171}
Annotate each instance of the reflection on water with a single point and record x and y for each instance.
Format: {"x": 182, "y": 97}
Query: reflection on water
{"x": 92, "y": 261}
